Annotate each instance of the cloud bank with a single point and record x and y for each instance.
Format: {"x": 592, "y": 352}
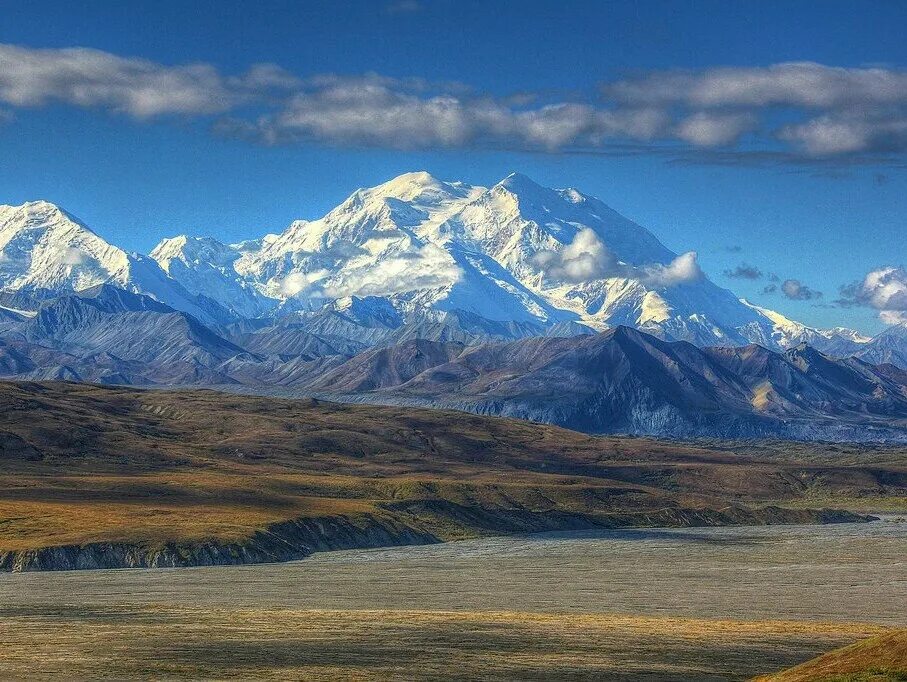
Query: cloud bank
{"x": 796, "y": 110}
{"x": 140, "y": 88}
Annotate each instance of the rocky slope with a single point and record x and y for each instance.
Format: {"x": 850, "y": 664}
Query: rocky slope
{"x": 625, "y": 381}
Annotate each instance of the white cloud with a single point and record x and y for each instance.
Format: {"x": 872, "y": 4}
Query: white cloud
{"x": 795, "y": 290}
{"x": 884, "y": 289}
{"x": 844, "y": 134}
{"x": 802, "y": 84}
{"x": 141, "y": 88}
{"x": 682, "y": 270}
{"x": 586, "y": 259}
{"x": 842, "y": 110}
{"x": 370, "y": 110}
{"x": 828, "y": 111}
{"x": 707, "y": 129}
{"x": 383, "y": 112}
{"x": 430, "y": 267}
{"x": 298, "y": 282}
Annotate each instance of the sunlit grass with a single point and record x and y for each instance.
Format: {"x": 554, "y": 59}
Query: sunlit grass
{"x": 882, "y": 658}
{"x": 182, "y": 641}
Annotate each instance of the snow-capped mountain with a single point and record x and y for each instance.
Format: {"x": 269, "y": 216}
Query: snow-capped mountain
{"x": 206, "y": 267}
{"x": 429, "y": 251}
{"x": 513, "y": 252}
{"x": 47, "y": 251}
{"x": 890, "y": 346}
{"x": 786, "y": 333}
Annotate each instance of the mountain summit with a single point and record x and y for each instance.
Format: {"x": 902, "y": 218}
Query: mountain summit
{"x": 512, "y": 252}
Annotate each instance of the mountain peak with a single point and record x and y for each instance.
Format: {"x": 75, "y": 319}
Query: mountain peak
{"x": 186, "y": 248}
{"x": 38, "y": 213}
{"x": 519, "y": 183}
{"x": 423, "y": 178}
{"x": 418, "y": 187}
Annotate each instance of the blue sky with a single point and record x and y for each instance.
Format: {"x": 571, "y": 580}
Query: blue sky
{"x": 805, "y": 183}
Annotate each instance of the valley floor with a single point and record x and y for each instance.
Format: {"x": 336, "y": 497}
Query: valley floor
{"x": 94, "y": 477}
{"x": 703, "y": 604}
{"x": 677, "y": 566}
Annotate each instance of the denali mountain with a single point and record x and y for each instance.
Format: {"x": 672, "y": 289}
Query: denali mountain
{"x": 515, "y": 253}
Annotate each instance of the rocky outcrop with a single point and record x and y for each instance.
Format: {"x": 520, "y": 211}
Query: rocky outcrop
{"x": 283, "y": 541}
{"x": 406, "y": 523}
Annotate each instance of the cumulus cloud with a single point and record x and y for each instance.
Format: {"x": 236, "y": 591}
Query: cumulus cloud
{"x": 795, "y": 290}
{"x": 770, "y": 289}
{"x": 884, "y": 289}
{"x": 744, "y": 271}
{"x": 429, "y": 267}
{"x": 138, "y": 87}
{"x": 682, "y": 270}
{"x": 586, "y": 259}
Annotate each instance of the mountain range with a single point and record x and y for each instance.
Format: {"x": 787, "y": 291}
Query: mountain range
{"x": 514, "y": 299}
{"x": 416, "y": 248}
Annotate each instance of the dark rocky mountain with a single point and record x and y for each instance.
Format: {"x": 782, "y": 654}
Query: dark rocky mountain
{"x": 619, "y": 381}
{"x": 624, "y": 380}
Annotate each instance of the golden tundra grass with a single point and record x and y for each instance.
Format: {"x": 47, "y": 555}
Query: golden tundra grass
{"x": 179, "y": 641}
{"x": 882, "y": 658}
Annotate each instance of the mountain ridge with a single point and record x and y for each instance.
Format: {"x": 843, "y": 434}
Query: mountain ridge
{"x": 440, "y": 293}
{"x": 621, "y": 380}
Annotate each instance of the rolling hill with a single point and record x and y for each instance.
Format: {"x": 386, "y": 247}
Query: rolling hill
{"x": 97, "y": 477}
